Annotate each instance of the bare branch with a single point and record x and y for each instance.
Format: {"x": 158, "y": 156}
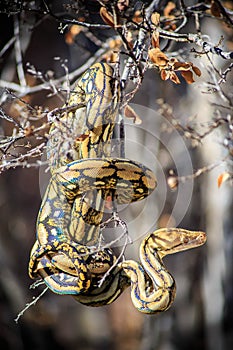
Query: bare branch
{"x": 25, "y": 90}
{"x": 201, "y": 171}
{"x": 18, "y": 53}
{"x": 7, "y": 46}
{"x": 60, "y": 19}
{"x": 32, "y": 303}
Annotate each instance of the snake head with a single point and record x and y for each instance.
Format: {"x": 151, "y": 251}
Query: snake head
{"x": 172, "y": 240}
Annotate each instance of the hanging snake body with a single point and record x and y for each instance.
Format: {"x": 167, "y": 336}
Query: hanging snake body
{"x": 68, "y": 254}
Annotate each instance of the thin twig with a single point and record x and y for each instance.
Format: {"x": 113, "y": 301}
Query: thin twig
{"x": 22, "y": 159}
{"x": 196, "y": 39}
{"x": 32, "y": 303}
{"x": 10, "y": 119}
{"x": 139, "y": 46}
{"x": 201, "y": 171}
{"x": 7, "y": 46}
{"x": 25, "y": 90}
{"x": 18, "y": 53}
{"x": 225, "y": 73}
{"x": 73, "y": 21}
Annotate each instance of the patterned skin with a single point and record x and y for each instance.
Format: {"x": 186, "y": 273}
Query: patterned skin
{"x": 67, "y": 253}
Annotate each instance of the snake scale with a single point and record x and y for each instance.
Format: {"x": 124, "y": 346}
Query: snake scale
{"x": 69, "y": 254}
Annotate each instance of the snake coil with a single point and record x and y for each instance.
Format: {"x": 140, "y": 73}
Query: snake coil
{"x": 84, "y": 177}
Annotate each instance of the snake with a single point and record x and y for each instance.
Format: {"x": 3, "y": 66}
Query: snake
{"x": 84, "y": 177}
{"x": 63, "y": 242}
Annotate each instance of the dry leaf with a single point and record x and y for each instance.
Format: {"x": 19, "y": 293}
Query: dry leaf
{"x": 222, "y": 178}
{"x": 110, "y": 57}
{"x": 164, "y": 74}
{"x": 130, "y": 113}
{"x": 72, "y": 32}
{"x": 168, "y": 67}
{"x": 174, "y": 78}
{"x": 196, "y": 70}
{"x": 168, "y": 9}
{"x": 107, "y": 17}
{"x": 155, "y": 39}
{"x": 183, "y": 66}
{"x": 188, "y": 76}
{"x": 137, "y": 17}
{"x": 29, "y": 130}
{"x": 158, "y": 57}
{"x": 114, "y": 43}
{"x": 215, "y": 9}
{"x": 167, "y": 14}
{"x": 155, "y": 18}
{"x": 122, "y": 5}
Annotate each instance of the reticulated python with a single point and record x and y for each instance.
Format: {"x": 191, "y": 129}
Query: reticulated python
{"x": 67, "y": 253}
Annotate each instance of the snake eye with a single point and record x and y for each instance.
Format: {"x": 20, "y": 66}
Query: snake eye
{"x": 186, "y": 239}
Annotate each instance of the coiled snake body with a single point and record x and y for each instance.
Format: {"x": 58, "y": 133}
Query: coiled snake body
{"x": 68, "y": 253}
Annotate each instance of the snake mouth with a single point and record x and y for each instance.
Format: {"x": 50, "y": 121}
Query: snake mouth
{"x": 173, "y": 240}
{"x": 190, "y": 239}
{"x": 196, "y": 238}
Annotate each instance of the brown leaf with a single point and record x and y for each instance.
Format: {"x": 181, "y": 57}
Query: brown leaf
{"x": 164, "y": 74}
{"x": 158, "y": 57}
{"x": 182, "y": 66}
{"x": 107, "y": 17}
{"x": 155, "y": 39}
{"x": 114, "y": 43}
{"x": 137, "y": 17}
{"x": 168, "y": 9}
{"x": 174, "y": 78}
{"x": 222, "y": 178}
{"x": 188, "y": 76}
{"x": 130, "y": 113}
{"x": 155, "y": 18}
{"x": 122, "y": 5}
{"x": 186, "y": 66}
{"x": 29, "y": 130}
{"x": 72, "y": 32}
{"x": 170, "y": 25}
{"x": 215, "y": 9}
{"x": 111, "y": 57}
{"x": 196, "y": 70}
